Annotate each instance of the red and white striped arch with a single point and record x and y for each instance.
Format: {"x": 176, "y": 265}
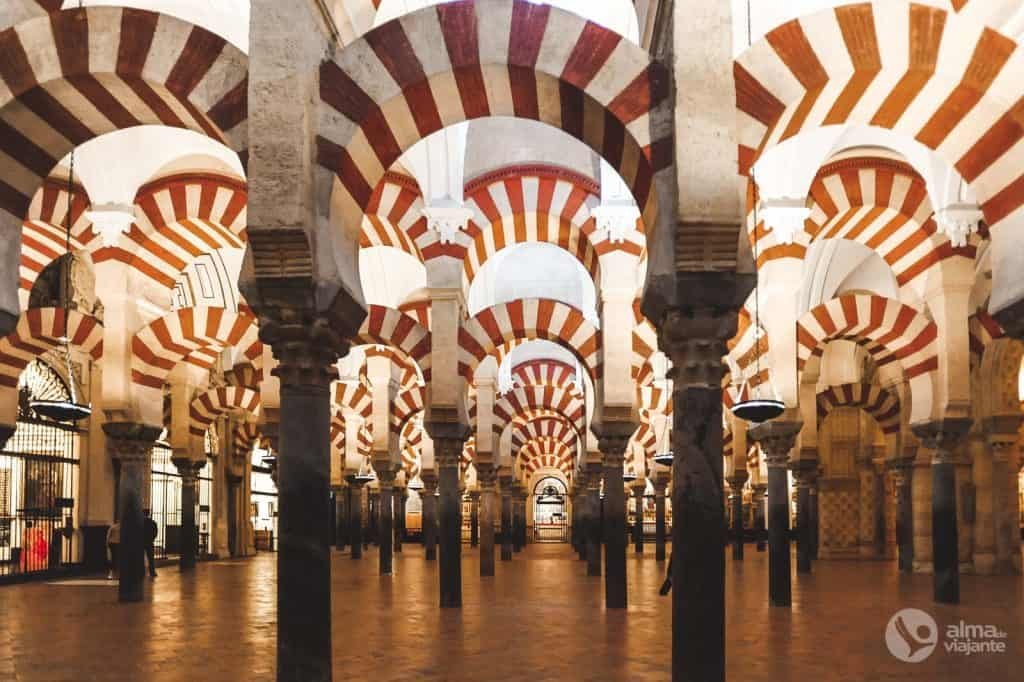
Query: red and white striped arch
{"x": 73, "y": 75}
{"x": 463, "y": 60}
{"x": 44, "y": 231}
{"x": 517, "y": 205}
{"x": 646, "y": 441}
{"x": 244, "y": 375}
{"x": 948, "y": 82}
{"x": 526, "y": 319}
{"x": 544, "y": 372}
{"x": 194, "y": 335}
{"x": 246, "y": 436}
{"x": 546, "y": 452}
{"x": 889, "y": 330}
{"x": 355, "y": 397}
{"x": 210, "y": 404}
{"x": 39, "y": 330}
{"x": 410, "y": 370}
{"x": 412, "y": 451}
{"x": 645, "y": 344}
{"x": 178, "y": 219}
{"x": 879, "y": 402}
{"x": 394, "y": 216}
{"x": 390, "y": 327}
{"x": 525, "y": 401}
{"x": 983, "y": 329}
{"x": 549, "y": 426}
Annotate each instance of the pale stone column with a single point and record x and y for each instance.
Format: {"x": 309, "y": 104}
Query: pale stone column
{"x": 131, "y": 445}
{"x": 777, "y": 439}
{"x": 943, "y": 437}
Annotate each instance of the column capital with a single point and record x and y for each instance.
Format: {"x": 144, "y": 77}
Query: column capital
{"x": 486, "y": 474}
{"x": 776, "y": 439}
{"x": 902, "y": 470}
{"x": 429, "y": 479}
{"x": 305, "y": 344}
{"x": 613, "y": 439}
{"x": 660, "y": 486}
{"x": 758, "y": 489}
{"x": 127, "y": 441}
{"x": 386, "y": 475}
{"x": 805, "y": 471}
{"x": 942, "y": 436}
{"x": 738, "y": 478}
{"x": 449, "y": 439}
{"x": 188, "y": 468}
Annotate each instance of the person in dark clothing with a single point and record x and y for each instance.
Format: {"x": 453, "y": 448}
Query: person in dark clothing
{"x": 150, "y": 534}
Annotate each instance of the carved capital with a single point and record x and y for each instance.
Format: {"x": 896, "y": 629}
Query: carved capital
{"x": 188, "y": 469}
{"x": 130, "y": 442}
{"x": 612, "y": 440}
{"x": 758, "y": 490}
{"x": 942, "y": 436}
{"x": 737, "y": 480}
{"x": 805, "y": 471}
{"x": 901, "y": 470}
{"x": 777, "y": 439}
{"x": 486, "y": 475}
{"x": 429, "y": 479}
{"x": 385, "y": 473}
{"x": 304, "y": 344}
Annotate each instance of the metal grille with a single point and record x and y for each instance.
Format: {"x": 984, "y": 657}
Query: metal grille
{"x": 165, "y": 503}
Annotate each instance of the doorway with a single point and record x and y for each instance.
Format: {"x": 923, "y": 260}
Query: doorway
{"x": 550, "y": 520}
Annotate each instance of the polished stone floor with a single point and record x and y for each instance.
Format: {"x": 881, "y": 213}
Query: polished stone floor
{"x": 540, "y": 618}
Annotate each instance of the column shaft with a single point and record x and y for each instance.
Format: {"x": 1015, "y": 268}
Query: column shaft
{"x": 487, "y": 531}
{"x": 638, "y": 527}
{"x": 474, "y": 519}
{"x": 615, "y": 531}
{"x": 189, "y": 498}
{"x": 387, "y": 531}
{"x": 399, "y": 504}
{"x": 593, "y": 531}
{"x": 451, "y": 535}
{"x": 506, "y": 525}
{"x": 429, "y": 518}
{"x": 905, "y": 518}
{"x": 355, "y": 518}
{"x": 659, "y": 522}
{"x": 778, "y": 536}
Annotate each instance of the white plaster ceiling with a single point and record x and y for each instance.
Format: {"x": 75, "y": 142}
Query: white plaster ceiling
{"x": 227, "y": 18}
{"x": 389, "y": 275}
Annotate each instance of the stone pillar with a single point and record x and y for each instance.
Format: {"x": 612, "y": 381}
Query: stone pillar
{"x": 805, "y": 471}
{"x": 449, "y": 439}
{"x": 777, "y": 439}
{"x": 574, "y": 520}
{"x": 130, "y": 445}
{"x": 429, "y": 516}
{"x": 757, "y": 497}
{"x": 401, "y": 494}
{"x": 736, "y": 481}
{"x": 868, "y": 522}
{"x": 386, "y": 528}
{"x": 942, "y": 437}
{"x": 340, "y": 520}
{"x": 373, "y": 516}
{"x": 812, "y": 511}
{"x": 189, "y": 470}
{"x": 1002, "y": 432}
{"x": 518, "y": 519}
{"x": 355, "y": 517}
{"x": 506, "y": 517}
{"x": 485, "y": 476}
{"x": 921, "y": 491}
{"x": 660, "y": 484}
{"x": 902, "y": 474}
{"x": 474, "y": 518}
{"x": 613, "y": 438}
{"x": 594, "y": 530}
{"x": 638, "y": 528}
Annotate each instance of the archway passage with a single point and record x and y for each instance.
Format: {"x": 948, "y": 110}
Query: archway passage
{"x": 550, "y": 511}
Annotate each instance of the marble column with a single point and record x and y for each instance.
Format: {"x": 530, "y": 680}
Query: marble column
{"x": 306, "y": 350}
{"x": 574, "y": 519}
{"x": 757, "y": 497}
{"x": 777, "y": 439}
{"x": 386, "y": 525}
{"x": 812, "y": 512}
{"x": 942, "y": 437}
{"x": 736, "y": 482}
{"x": 449, "y": 439}
{"x": 189, "y": 471}
{"x": 805, "y": 471}
{"x": 474, "y": 518}
{"x": 594, "y": 531}
{"x": 613, "y": 438}
{"x": 638, "y": 527}
{"x": 902, "y": 474}
{"x": 1002, "y": 434}
{"x": 130, "y": 445}
{"x": 518, "y": 519}
{"x": 660, "y": 484}
{"x": 373, "y": 516}
{"x": 506, "y": 517}
{"x": 401, "y": 495}
{"x": 355, "y": 517}
{"x": 429, "y": 515}
{"x": 485, "y": 476}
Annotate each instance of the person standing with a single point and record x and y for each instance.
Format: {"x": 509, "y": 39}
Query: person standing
{"x": 151, "y": 533}
{"x": 113, "y": 542}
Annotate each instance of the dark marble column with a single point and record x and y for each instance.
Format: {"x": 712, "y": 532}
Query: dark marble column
{"x": 613, "y": 437}
{"x": 401, "y": 494}
{"x": 812, "y": 511}
{"x": 903, "y": 474}
{"x": 660, "y": 484}
{"x": 777, "y": 439}
{"x": 373, "y": 516}
{"x": 485, "y": 476}
{"x": 429, "y": 517}
{"x": 131, "y": 444}
{"x": 306, "y": 347}
{"x": 474, "y": 518}
{"x": 189, "y": 470}
{"x": 594, "y": 531}
{"x": 386, "y": 514}
{"x": 638, "y": 526}
{"x": 355, "y": 517}
{"x": 506, "y": 518}
{"x": 449, "y": 439}
{"x": 736, "y": 481}
{"x": 805, "y": 471}
{"x": 340, "y": 516}
{"x": 943, "y": 437}
{"x": 757, "y": 497}
{"x": 518, "y": 519}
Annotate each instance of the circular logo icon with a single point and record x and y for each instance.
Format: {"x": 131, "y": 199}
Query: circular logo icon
{"x": 911, "y": 635}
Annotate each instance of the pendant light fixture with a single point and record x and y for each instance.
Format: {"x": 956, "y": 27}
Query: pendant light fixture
{"x": 365, "y": 473}
{"x": 665, "y": 458}
{"x": 415, "y": 484}
{"x": 750, "y": 407}
{"x": 69, "y": 409}
{"x": 629, "y": 476}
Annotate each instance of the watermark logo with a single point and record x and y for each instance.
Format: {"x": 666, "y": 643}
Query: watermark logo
{"x": 911, "y": 635}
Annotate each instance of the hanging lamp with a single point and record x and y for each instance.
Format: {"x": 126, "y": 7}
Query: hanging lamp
{"x": 365, "y": 472}
{"x": 665, "y": 458}
{"x": 69, "y": 409}
{"x": 415, "y": 484}
{"x": 753, "y": 408}
{"x": 628, "y": 476}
